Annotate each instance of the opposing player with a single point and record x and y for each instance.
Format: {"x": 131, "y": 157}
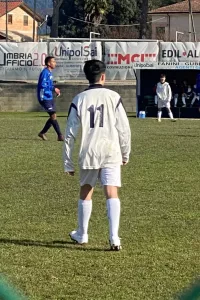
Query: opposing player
{"x": 45, "y": 91}
{"x": 164, "y": 94}
{"x": 105, "y": 146}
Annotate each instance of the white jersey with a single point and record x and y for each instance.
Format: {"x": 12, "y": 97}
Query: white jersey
{"x": 163, "y": 91}
{"x": 106, "y": 137}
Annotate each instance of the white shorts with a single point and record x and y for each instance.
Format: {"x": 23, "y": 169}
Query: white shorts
{"x": 163, "y": 103}
{"x": 106, "y": 176}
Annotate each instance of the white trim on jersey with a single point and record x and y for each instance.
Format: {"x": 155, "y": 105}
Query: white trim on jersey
{"x": 106, "y": 136}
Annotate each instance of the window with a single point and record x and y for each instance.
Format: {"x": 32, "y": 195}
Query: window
{"x": 160, "y": 33}
{"x": 10, "y": 19}
{"x": 25, "y": 20}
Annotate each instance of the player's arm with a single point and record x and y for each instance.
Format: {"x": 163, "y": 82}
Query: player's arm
{"x": 73, "y": 124}
{"x": 43, "y": 84}
{"x": 55, "y": 89}
{"x": 157, "y": 92}
{"x": 123, "y": 128}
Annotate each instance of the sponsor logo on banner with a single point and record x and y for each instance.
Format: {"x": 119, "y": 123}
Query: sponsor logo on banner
{"x": 71, "y": 56}
{"x": 21, "y": 61}
{"x": 123, "y": 57}
{"x": 179, "y": 52}
{"x": 76, "y": 51}
{"x": 118, "y": 58}
{"x": 179, "y": 65}
{"x": 68, "y": 52}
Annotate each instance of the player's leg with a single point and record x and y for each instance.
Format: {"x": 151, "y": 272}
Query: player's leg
{"x": 160, "y": 105}
{"x": 169, "y": 111}
{"x": 175, "y": 100}
{"x": 47, "y": 125}
{"x": 193, "y": 100}
{"x": 88, "y": 180}
{"x": 184, "y": 100}
{"x": 111, "y": 180}
{"x": 159, "y": 114}
{"x": 56, "y": 126}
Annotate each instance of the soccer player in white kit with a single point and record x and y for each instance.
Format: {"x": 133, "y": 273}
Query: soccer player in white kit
{"x": 105, "y": 146}
{"x": 164, "y": 95}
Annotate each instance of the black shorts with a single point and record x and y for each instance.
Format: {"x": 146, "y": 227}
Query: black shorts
{"x": 49, "y": 106}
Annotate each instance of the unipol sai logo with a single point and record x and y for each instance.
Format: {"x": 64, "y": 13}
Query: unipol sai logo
{"x": 62, "y": 51}
{"x": 118, "y": 58}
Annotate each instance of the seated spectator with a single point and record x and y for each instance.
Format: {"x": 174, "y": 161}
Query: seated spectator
{"x": 175, "y": 91}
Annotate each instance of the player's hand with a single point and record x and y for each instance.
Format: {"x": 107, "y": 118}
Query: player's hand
{"x": 70, "y": 173}
{"x": 57, "y": 91}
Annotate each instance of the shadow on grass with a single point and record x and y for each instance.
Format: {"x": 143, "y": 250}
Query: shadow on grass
{"x": 53, "y": 244}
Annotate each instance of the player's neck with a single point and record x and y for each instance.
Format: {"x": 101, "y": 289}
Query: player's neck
{"x": 96, "y": 84}
{"x": 49, "y": 68}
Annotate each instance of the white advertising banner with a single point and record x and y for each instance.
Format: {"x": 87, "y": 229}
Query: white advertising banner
{"x": 182, "y": 56}
{"x": 179, "y": 52}
{"x": 21, "y": 61}
{"x": 123, "y": 57}
{"x": 71, "y": 56}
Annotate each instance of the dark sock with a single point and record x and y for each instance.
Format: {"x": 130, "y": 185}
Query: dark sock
{"x": 56, "y": 127}
{"x": 46, "y": 126}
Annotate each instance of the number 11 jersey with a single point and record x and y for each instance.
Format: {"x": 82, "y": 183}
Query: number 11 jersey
{"x": 106, "y": 136}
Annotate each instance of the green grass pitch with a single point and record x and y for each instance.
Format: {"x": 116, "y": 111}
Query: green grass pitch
{"x": 160, "y": 222}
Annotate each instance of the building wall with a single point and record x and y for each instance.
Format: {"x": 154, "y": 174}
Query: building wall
{"x": 17, "y": 27}
{"x": 21, "y": 97}
{"x": 173, "y": 23}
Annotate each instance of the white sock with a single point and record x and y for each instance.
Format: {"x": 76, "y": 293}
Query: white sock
{"x": 170, "y": 115}
{"x": 113, "y": 209}
{"x": 183, "y": 100}
{"x": 84, "y": 213}
{"x": 159, "y": 115}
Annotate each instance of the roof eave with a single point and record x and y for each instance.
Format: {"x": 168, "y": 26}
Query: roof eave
{"x": 172, "y": 12}
{"x": 38, "y": 18}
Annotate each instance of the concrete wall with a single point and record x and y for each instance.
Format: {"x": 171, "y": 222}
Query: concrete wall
{"x": 21, "y": 97}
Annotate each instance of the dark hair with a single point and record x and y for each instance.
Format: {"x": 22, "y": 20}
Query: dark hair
{"x": 47, "y": 60}
{"x": 162, "y": 76}
{"x": 93, "y": 70}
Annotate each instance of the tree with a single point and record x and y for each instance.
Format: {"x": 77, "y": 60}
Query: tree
{"x": 55, "y": 17}
{"x": 124, "y": 13}
{"x": 70, "y": 27}
{"x": 144, "y": 6}
{"x": 96, "y": 10}
{"x": 108, "y": 12}
{"x": 86, "y": 11}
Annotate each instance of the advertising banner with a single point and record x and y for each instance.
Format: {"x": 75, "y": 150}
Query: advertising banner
{"x": 123, "y": 57}
{"x": 21, "y": 61}
{"x": 179, "y": 55}
{"x": 179, "y": 52}
{"x": 71, "y": 56}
